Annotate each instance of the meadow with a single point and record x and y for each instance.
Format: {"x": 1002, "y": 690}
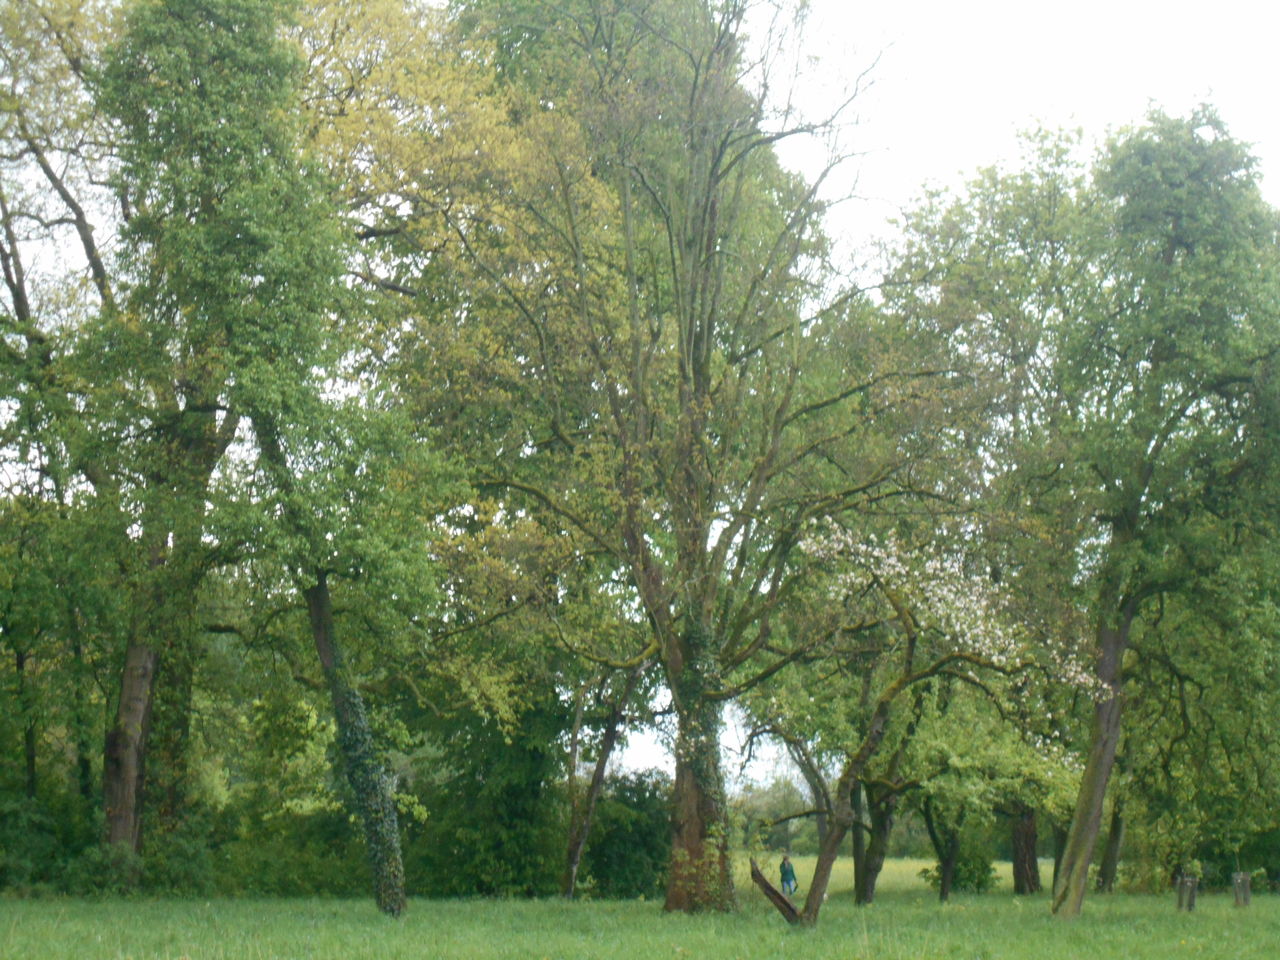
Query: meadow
{"x": 905, "y": 922}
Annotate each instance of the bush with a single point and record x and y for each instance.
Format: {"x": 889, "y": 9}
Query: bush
{"x": 630, "y": 843}
{"x": 973, "y": 873}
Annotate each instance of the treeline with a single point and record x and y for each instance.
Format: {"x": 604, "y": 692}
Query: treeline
{"x": 398, "y": 405}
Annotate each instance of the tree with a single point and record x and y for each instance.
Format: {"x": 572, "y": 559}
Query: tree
{"x": 914, "y": 616}
{"x": 686, "y": 401}
{"x": 1126, "y": 315}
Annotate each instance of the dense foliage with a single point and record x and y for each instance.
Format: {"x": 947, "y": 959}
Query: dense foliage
{"x": 399, "y": 406}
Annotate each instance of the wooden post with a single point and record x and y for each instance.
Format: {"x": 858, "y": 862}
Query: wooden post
{"x": 1241, "y": 884}
{"x": 1187, "y": 893}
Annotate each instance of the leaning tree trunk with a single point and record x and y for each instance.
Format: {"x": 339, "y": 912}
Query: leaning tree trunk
{"x": 1110, "y": 865}
{"x": 125, "y": 751}
{"x": 840, "y": 823}
{"x": 699, "y": 877}
{"x": 1026, "y": 867}
{"x": 582, "y": 816}
{"x": 1073, "y": 878}
{"x": 371, "y": 784}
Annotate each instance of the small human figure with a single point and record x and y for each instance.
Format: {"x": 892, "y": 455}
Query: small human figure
{"x": 789, "y": 885}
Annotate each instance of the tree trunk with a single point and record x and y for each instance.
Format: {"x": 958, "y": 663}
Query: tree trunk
{"x": 699, "y": 878}
{"x": 1069, "y": 888}
{"x": 859, "y": 845}
{"x": 946, "y": 846}
{"x": 1110, "y": 865}
{"x": 1059, "y": 847}
{"x": 27, "y": 708}
{"x": 841, "y": 822}
{"x": 1026, "y": 867}
{"x": 582, "y": 815}
{"x": 882, "y": 811}
{"x": 371, "y": 784}
{"x": 83, "y": 725}
{"x": 124, "y": 756}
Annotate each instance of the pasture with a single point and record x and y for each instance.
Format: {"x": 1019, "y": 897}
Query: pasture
{"x": 906, "y": 923}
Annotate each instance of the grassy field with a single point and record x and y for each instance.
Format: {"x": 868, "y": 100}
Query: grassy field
{"x": 906, "y": 922}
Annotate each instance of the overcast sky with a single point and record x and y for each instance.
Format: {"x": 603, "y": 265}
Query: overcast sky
{"x": 956, "y": 81}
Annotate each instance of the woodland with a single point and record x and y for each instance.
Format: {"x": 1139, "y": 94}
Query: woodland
{"x": 402, "y": 404}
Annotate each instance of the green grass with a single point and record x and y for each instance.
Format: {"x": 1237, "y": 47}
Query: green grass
{"x": 905, "y": 922}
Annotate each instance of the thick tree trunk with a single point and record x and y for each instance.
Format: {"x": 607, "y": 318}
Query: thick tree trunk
{"x": 371, "y": 784}
{"x": 1073, "y": 879}
{"x": 882, "y": 811}
{"x": 1026, "y": 867}
{"x": 1110, "y": 865}
{"x": 124, "y": 756}
{"x": 584, "y": 812}
{"x": 699, "y": 877}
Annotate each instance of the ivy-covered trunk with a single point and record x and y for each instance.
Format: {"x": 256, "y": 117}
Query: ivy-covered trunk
{"x": 370, "y": 783}
{"x": 699, "y": 878}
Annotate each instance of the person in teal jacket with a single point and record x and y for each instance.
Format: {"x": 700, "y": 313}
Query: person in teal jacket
{"x": 789, "y": 885}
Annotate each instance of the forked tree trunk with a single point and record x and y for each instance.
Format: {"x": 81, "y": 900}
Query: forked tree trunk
{"x": 699, "y": 877}
{"x": 1109, "y": 868}
{"x": 946, "y": 846}
{"x": 1026, "y": 867}
{"x": 370, "y": 783}
{"x": 1073, "y": 879}
{"x": 124, "y": 755}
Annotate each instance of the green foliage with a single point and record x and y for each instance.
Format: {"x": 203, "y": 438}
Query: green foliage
{"x": 497, "y": 823}
{"x": 630, "y": 840}
{"x": 973, "y": 872}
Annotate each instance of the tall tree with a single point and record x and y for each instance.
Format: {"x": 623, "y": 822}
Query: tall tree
{"x": 1127, "y": 313}
{"x": 688, "y": 402}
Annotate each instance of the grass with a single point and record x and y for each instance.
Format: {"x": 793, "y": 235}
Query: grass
{"x": 905, "y": 922}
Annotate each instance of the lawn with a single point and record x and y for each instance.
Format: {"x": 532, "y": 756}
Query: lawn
{"x": 906, "y": 922}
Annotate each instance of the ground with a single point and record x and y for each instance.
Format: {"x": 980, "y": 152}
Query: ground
{"x": 906, "y": 922}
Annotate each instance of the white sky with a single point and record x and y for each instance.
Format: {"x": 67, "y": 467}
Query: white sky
{"x": 957, "y": 81}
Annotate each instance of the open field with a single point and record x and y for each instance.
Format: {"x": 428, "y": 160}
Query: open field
{"x": 906, "y": 922}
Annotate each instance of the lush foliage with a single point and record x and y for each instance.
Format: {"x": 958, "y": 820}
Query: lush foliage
{"x": 400, "y": 405}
